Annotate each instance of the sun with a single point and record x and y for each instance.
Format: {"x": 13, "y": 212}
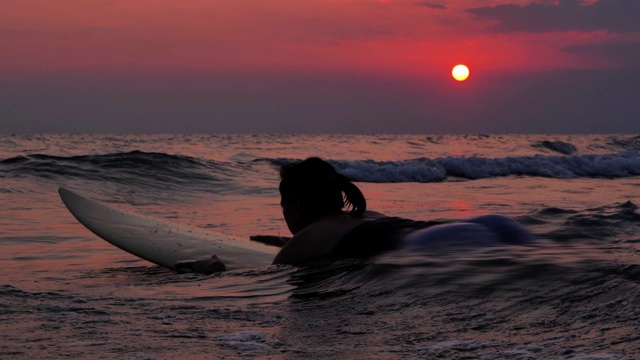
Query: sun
{"x": 460, "y": 72}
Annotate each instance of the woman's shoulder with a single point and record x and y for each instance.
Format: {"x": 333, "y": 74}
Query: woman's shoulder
{"x": 317, "y": 239}
{"x": 372, "y": 215}
{"x": 329, "y": 231}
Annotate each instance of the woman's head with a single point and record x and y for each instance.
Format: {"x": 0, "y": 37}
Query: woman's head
{"x": 313, "y": 189}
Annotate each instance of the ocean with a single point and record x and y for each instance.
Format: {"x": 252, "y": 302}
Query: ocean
{"x": 65, "y": 293}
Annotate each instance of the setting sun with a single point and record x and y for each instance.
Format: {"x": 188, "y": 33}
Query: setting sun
{"x": 460, "y": 72}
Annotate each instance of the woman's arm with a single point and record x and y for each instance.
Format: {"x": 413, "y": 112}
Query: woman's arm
{"x": 272, "y": 240}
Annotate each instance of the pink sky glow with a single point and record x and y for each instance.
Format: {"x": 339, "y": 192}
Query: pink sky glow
{"x": 388, "y": 37}
{"x": 265, "y": 61}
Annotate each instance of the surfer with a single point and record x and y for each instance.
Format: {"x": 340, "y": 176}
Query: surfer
{"x": 327, "y": 215}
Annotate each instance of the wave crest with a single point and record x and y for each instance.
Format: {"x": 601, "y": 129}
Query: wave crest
{"x": 135, "y": 167}
{"x": 625, "y": 164}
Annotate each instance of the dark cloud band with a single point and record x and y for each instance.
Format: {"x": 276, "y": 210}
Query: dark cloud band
{"x": 616, "y": 16}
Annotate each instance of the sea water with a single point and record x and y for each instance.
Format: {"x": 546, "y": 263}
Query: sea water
{"x": 66, "y": 293}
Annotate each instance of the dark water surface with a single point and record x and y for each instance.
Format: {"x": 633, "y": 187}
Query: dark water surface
{"x": 575, "y": 295}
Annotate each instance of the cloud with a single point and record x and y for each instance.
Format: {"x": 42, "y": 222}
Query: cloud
{"x": 615, "y": 16}
{"x": 433, "y": 6}
{"x": 628, "y": 53}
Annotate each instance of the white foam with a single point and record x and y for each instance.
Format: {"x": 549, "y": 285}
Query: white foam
{"x": 624, "y": 164}
{"x": 245, "y": 340}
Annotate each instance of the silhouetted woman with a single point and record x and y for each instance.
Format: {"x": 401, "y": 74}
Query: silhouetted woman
{"x": 328, "y": 217}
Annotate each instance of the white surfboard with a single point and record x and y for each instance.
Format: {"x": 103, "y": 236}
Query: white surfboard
{"x": 161, "y": 242}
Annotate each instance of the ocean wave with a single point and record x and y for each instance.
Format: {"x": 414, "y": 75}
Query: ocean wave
{"x": 145, "y": 168}
{"x": 557, "y": 146}
{"x": 424, "y": 170}
{"x": 135, "y": 167}
{"x": 628, "y": 143}
{"x": 612, "y": 222}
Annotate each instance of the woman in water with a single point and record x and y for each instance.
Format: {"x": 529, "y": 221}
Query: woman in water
{"x": 328, "y": 217}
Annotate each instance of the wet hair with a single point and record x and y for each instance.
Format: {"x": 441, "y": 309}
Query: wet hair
{"x": 320, "y": 189}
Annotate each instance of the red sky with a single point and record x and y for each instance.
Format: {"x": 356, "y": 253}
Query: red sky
{"x": 371, "y": 36}
{"x": 405, "y": 39}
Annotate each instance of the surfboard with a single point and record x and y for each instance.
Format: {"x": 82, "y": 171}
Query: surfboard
{"x": 161, "y": 242}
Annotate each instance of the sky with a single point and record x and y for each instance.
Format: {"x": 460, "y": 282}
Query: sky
{"x": 331, "y": 66}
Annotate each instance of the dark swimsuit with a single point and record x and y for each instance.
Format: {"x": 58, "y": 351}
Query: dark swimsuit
{"x": 377, "y": 236}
